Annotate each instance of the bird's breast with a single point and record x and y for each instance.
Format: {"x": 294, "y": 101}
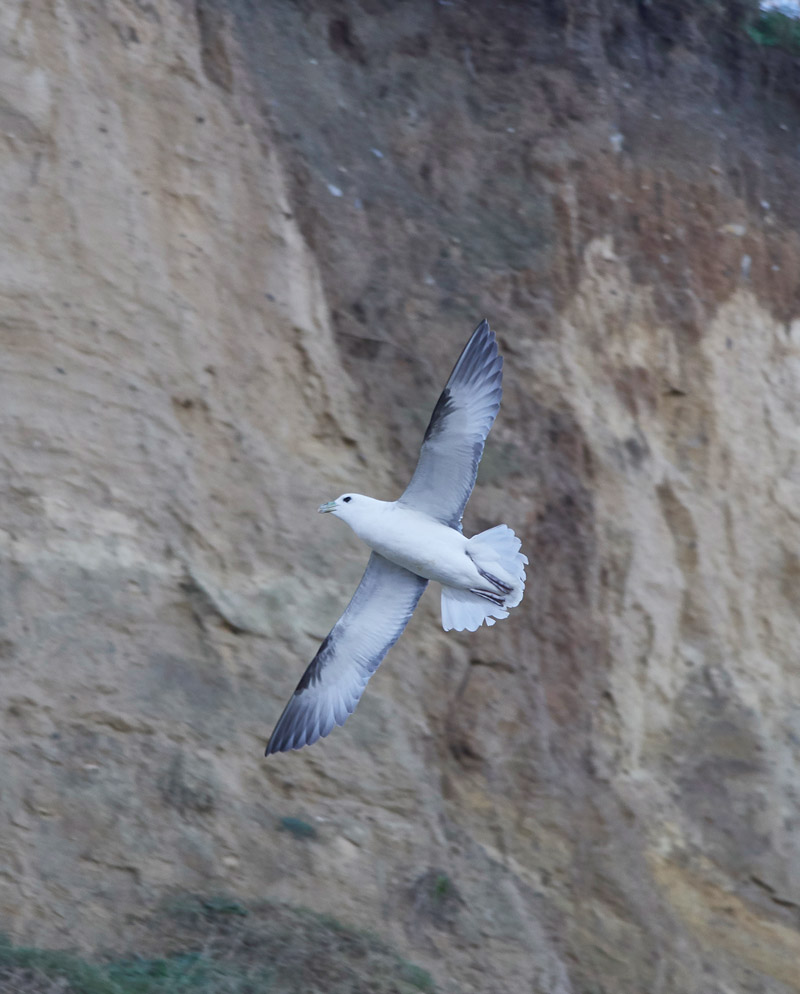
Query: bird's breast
{"x": 419, "y": 544}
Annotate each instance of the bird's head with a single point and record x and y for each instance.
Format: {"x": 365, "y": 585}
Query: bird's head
{"x": 347, "y": 506}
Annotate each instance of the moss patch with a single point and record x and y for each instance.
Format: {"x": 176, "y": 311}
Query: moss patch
{"x": 776, "y": 30}
{"x": 216, "y": 945}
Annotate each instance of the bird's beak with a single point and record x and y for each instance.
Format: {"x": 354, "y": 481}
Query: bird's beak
{"x": 324, "y": 508}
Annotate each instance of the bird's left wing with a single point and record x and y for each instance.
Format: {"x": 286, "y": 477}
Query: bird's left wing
{"x": 353, "y": 649}
{"x": 453, "y": 443}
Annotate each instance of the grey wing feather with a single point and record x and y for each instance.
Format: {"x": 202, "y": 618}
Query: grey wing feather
{"x": 454, "y": 440}
{"x": 335, "y": 679}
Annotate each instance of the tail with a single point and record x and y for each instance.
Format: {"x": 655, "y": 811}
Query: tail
{"x": 501, "y": 565}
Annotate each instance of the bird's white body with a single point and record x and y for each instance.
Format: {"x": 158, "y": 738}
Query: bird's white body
{"x": 412, "y": 539}
{"x": 482, "y": 577}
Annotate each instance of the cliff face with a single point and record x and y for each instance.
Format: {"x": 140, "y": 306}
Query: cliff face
{"x": 243, "y": 244}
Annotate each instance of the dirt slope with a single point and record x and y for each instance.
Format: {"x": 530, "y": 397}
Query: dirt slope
{"x": 243, "y": 244}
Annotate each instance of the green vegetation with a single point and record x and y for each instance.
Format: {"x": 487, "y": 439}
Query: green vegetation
{"x": 298, "y": 828}
{"x": 776, "y": 30}
{"x": 187, "y": 972}
{"x": 42, "y": 971}
{"x": 420, "y": 979}
{"x": 443, "y": 887}
{"x": 221, "y": 905}
{"x": 216, "y": 945}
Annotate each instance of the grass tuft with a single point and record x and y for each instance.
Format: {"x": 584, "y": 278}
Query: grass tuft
{"x": 27, "y": 969}
{"x": 298, "y": 828}
{"x": 417, "y": 977}
{"x": 224, "y": 906}
{"x": 443, "y": 887}
{"x": 217, "y": 945}
{"x": 776, "y": 30}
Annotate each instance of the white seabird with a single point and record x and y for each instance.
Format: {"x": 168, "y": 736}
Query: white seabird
{"x": 415, "y": 539}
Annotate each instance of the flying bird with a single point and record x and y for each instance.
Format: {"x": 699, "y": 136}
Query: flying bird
{"x": 414, "y": 539}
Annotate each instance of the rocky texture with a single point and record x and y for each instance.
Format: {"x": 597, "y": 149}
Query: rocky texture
{"x": 243, "y": 244}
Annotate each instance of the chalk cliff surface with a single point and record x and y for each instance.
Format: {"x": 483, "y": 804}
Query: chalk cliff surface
{"x": 242, "y": 245}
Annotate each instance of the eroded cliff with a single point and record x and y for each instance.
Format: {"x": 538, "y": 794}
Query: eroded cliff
{"x": 243, "y": 244}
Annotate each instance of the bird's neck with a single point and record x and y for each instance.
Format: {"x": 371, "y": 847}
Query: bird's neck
{"x": 372, "y": 515}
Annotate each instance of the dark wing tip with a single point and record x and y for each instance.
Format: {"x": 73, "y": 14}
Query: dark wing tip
{"x": 299, "y": 727}
{"x": 284, "y": 735}
{"x": 484, "y": 333}
{"x": 279, "y": 741}
{"x": 480, "y": 356}
{"x": 296, "y": 728}
{"x": 444, "y": 406}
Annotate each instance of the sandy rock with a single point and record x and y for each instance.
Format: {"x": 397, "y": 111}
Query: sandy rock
{"x": 200, "y": 344}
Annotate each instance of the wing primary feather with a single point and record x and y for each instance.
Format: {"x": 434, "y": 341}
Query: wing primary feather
{"x": 453, "y": 442}
{"x": 334, "y": 680}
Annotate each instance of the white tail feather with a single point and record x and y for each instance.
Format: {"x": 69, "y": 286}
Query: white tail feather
{"x": 461, "y": 609}
{"x": 496, "y": 554}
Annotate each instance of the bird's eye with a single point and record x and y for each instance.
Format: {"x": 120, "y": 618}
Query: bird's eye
{"x": 347, "y": 499}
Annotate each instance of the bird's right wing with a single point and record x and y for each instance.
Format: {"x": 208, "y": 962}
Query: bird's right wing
{"x": 453, "y": 443}
{"x": 336, "y": 677}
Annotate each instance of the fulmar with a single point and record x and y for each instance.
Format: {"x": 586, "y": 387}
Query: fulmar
{"x": 414, "y": 539}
